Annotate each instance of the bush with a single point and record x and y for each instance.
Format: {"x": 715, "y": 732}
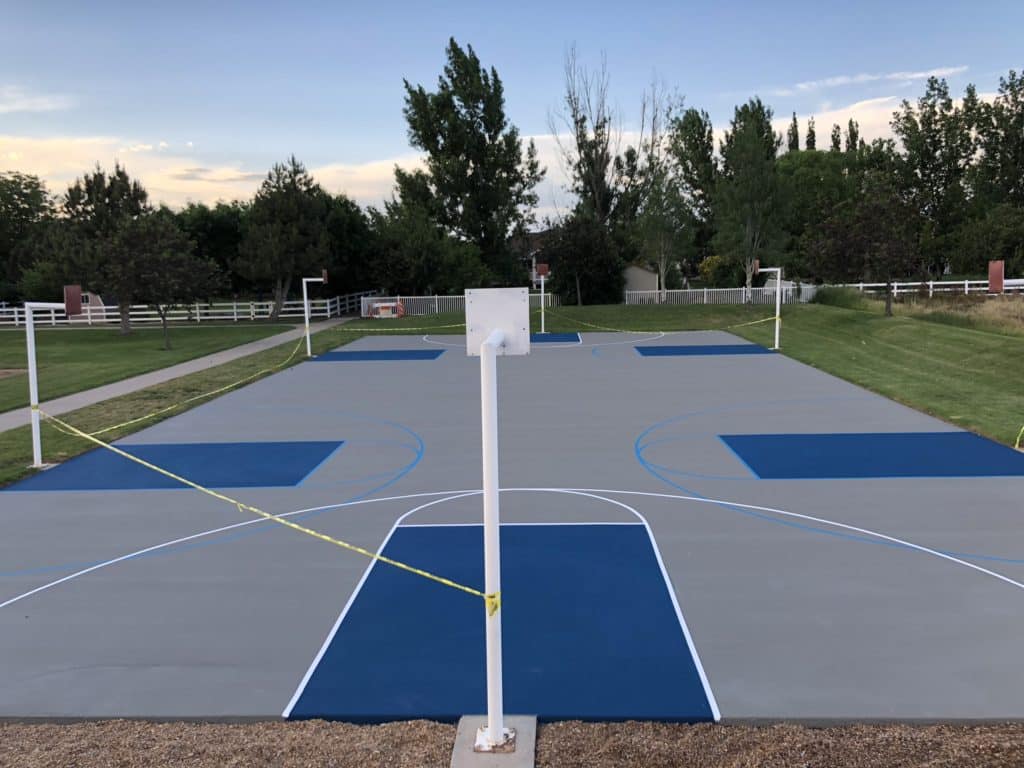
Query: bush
{"x": 847, "y": 298}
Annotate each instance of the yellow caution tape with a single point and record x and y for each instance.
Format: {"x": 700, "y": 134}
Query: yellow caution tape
{"x": 756, "y": 322}
{"x": 1020, "y": 436}
{"x": 492, "y": 601}
{"x": 623, "y": 330}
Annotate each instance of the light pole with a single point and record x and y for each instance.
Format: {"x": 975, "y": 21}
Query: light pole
{"x": 305, "y": 305}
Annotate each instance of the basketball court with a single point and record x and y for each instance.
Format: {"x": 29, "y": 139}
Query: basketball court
{"x": 694, "y": 529}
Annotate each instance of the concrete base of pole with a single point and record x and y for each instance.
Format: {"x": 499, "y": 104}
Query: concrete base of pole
{"x": 523, "y": 743}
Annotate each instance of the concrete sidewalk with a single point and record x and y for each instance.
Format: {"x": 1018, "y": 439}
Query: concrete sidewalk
{"x": 19, "y": 417}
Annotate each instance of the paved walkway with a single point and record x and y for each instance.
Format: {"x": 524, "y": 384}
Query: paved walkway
{"x": 19, "y": 417}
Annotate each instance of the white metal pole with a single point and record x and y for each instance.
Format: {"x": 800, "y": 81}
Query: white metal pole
{"x": 492, "y": 519}
{"x": 305, "y": 314}
{"x": 778, "y": 306}
{"x": 33, "y": 386}
{"x": 542, "y": 304}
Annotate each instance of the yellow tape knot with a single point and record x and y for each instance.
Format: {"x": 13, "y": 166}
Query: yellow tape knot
{"x": 493, "y": 603}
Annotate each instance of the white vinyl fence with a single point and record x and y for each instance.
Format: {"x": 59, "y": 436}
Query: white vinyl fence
{"x": 215, "y": 312}
{"x": 932, "y": 287}
{"x": 436, "y": 305}
{"x": 790, "y": 295}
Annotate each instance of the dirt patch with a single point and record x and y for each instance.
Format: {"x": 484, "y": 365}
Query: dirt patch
{"x": 133, "y": 744}
{"x": 5, "y": 372}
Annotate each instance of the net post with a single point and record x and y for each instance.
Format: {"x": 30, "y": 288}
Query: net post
{"x": 33, "y": 386}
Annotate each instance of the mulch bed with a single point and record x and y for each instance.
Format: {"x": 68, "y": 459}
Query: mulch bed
{"x": 421, "y": 744}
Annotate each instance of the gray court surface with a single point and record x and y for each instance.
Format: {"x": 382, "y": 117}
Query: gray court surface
{"x": 811, "y": 600}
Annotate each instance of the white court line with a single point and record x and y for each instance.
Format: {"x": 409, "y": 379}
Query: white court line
{"x": 580, "y": 343}
{"x": 708, "y": 694}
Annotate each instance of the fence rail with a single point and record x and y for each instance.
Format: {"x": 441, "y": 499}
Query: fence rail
{"x": 222, "y": 311}
{"x": 436, "y": 305}
{"x": 790, "y": 295}
{"x": 932, "y": 287}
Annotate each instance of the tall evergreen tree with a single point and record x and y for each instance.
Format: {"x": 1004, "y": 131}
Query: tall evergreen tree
{"x": 691, "y": 149}
{"x": 837, "y": 139}
{"x": 811, "y": 142}
{"x": 479, "y": 183}
{"x": 852, "y": 136}
{"x": 793, "y": 136}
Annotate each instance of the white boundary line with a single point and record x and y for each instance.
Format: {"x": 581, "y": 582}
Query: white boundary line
{"x": 556, "y": 345}
{"x": 708, "y": 694}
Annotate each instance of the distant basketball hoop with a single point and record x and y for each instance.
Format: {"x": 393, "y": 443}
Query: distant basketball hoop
{"x": 543, "y": 270}
{"x": 72, "y": 300}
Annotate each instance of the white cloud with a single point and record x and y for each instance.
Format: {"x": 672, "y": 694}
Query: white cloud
{"x": 838, "y": 81}
{"x": 163, "y": 145}
{"x": 15, "y": 99}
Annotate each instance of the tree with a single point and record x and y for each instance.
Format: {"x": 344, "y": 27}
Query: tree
{"x": 793, "y": 136}
{"x": 478, "y": 183}
{"x": 999, "y": 175}
{"x": 997, "y": 235}
{"x": 811, "y": 142}
{"x": 353, "y": 246}
{"x": 837, "y": 138}
{"x": 217, "y": 232}
{"x": 95, "y": 208}
{"x": 285, "y": 235}
{"x": 691, "y": 150}
{"x": 587, "y": 267}
{"x": 661, "y": 224}
{"x": 852, "y": 136}
{"x": 748, "y": 187}
{"x": 870, "y": 236}
{"x": 938, "y": 150}
{"x": 162, "y": 258}
{"x": 25, "y": 207}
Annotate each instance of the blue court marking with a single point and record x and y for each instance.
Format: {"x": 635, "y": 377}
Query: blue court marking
{"x": 688, "y": 350}
{"x": 215, "y": 465}
{"x": 875, "y": 454}
{"x": 555, "y": 338}
{"x": 607, "y": 646}
{"x": 369, "y": 355}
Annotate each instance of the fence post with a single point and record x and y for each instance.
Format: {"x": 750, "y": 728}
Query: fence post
{"x": 705, "y": 295}
{"x": 931, "y": 288}
{"x": 862, "y": 287}
{"x": 234, "y": 310}
{"x": 53, "y": 317}
{"x": 966, "y": 288}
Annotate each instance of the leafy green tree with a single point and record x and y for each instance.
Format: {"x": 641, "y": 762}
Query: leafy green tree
{"x": 352, "y": 246}
{"x": 793, "y": 136}
{"x": 160, "y": 260}
{"x": 852, "y": 136}
{"x": 811, "y": 142}
{"x": 662, "y": 222}
{"x": 479, "y": 183}
{"x": 870, "y": 236}
{"x": 586, "y": 265}
{"x": 217, "y": 232}
{"x": 938, "y": 149}
{"x": 416, "y": 256}
{"x": 95, "y": 208}
{"x": 811, "y": 185}
{"x": 837, "y": 139}
{"x": 691, "y": 150}
{"x": 25, "y": 208}
{"x": 285, "y": 234}
{"x": 747, "y": 192}
{"x": 997, "y": 235}
{"x": 999, "y": 175}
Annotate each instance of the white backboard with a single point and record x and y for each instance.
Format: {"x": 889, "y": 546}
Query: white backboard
{"x": 504, "y": 309}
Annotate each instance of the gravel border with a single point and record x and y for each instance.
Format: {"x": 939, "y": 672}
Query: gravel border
{"x": 423, "y": 744}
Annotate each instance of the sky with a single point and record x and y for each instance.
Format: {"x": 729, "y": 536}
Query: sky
{"x": 199, "y": 99}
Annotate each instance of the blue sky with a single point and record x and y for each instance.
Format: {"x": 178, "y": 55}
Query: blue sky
{"x": 198, "y": 99}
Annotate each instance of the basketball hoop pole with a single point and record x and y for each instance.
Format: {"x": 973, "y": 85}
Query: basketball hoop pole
{"x": 495, "y": 735}
{"x": 778, "y": 299}
{"x": 305, "y": 309}
{"x": 542, "y": 304}
{"x": 33, "y": 378}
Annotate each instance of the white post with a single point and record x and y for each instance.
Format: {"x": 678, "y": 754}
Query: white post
{"x": 778, "y": 307}
{"x": 305, "y": 309}
{"x": 542, "y": 304}
{"x": 496, "y": 734}
{"x": 33, "y": 377}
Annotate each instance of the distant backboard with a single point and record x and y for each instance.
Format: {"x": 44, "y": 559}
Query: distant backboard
{"x": 504, "y": 309}
{"x": 995, "y": 276}
{"x": 72, "y": 300}
{"x": 543, "y": 270}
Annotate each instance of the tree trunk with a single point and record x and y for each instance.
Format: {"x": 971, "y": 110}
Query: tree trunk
{"x": 579, "y": 296}
{"x": 749, "y": 268}
{"x": 163, "y": 322}
{"x": 275, "y": 310}
{"x": 124, "y": 310}
{"x": 888, "y": 299}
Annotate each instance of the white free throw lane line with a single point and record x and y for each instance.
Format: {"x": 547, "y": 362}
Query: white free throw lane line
{"x": 708, "y": 694}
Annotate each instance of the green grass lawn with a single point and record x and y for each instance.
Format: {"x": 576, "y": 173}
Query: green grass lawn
{"x": 968, "y": 377}
{"x": 73, "y": 359}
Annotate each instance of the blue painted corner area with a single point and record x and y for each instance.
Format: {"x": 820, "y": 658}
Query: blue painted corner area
{"x": 555, "y": 338}
{"x": 215, "y": 465}
{"x": 875, "y": 454}
{"x": 589, "y": 632}
{"x": 688, "y": 350}
{"x": 370, "y": 355}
